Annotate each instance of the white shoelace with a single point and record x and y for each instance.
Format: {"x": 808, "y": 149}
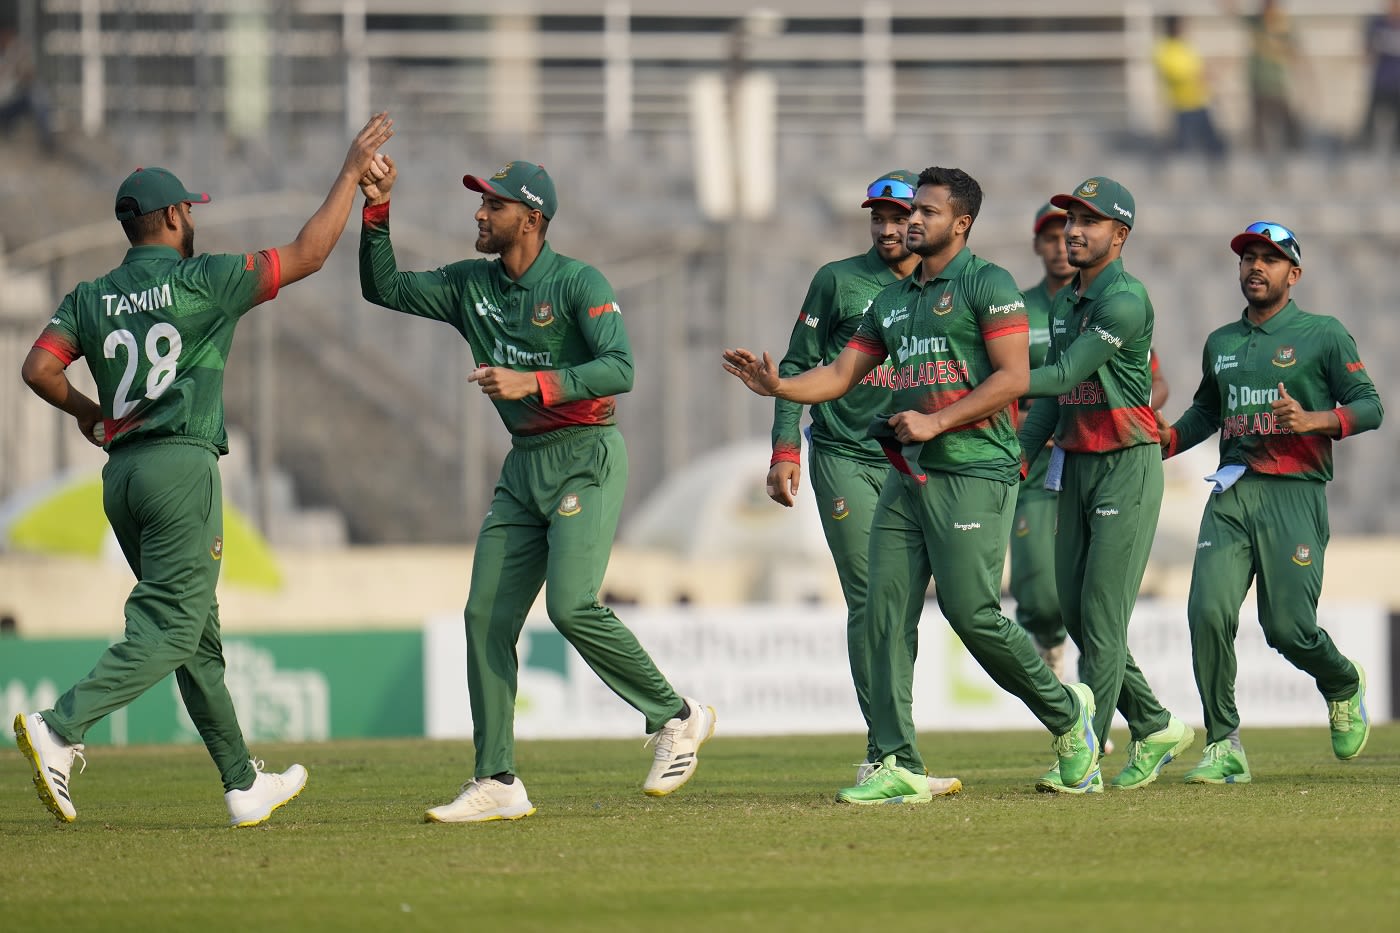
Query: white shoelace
{"x": 77, "y": 751}
{"x": 665, "y": 741}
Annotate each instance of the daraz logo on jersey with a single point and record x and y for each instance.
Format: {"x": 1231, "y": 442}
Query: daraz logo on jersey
{"x": 895, "y": 316}
{"x": 1245, "y": 397}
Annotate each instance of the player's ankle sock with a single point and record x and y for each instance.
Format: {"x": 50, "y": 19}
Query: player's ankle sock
{"x": 1235, "y": 743}
{"x": 505, "y": 777}
{"x": 684, "y": 714}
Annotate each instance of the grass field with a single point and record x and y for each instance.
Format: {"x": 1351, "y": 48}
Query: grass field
{"x": 752, "y": 843}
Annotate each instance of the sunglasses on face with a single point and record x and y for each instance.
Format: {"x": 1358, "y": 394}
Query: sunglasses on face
{"x": 890, "y": 188}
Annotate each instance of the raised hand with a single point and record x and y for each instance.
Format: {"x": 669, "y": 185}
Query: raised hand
{"x": 366, "y": 144}
{"x": 760, "y": 375}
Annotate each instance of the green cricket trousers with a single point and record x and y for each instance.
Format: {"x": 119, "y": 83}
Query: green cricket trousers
{"x": 1033, "y": 565}
{"x": 1108, "y": 516}
{"x": 1275, "y": 529}
{"x": 164, "y": 500}
{"x": 952, "y": 528}
{"x": 552, "y": 521}
{"x": 847, "y": 491}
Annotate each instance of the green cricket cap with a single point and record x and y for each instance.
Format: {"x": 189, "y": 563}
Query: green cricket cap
{"x": 896, "y": 187}
{"x": 1104, "y": 197}
{"x": 1047, "y": 213}
{"x": 151, "y": 189}
{"x": 520, "y": 181}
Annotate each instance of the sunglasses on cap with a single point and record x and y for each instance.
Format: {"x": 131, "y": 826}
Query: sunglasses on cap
{"x": 890, "y": 188}
{"x": 1279, "y": 234}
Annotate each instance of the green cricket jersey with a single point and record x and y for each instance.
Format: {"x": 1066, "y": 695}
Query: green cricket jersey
{"x": 559, "y": 320}
{"x": 935, "y": 333}
{"x": 1314, "y": 357}
{"x": 1098, "y": 369}
{"x": 156, "y": 331}
{"x": 836, "y": 300}
{"x": 1038, "y": 301}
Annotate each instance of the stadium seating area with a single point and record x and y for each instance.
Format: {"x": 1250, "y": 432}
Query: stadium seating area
{"x": 368, "y": 412}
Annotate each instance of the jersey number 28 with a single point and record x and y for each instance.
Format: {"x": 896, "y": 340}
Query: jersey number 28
{"x": 163, "y": 365}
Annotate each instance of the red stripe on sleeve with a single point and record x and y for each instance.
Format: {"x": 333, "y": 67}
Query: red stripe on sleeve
{"x": 274, "y": 266}
{"x": 65, "y": 351}
{"x": 1344, "y": 418}
{"x": 375, "y": 215}
{"x": 868, "y": 346}
{"x": 1011, "y": 327}
{"x": 550, "y": 389}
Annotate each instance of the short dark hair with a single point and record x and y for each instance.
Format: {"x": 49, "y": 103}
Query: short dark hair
{"x": 142, "y": 227}
{"x": 963, "y": 191}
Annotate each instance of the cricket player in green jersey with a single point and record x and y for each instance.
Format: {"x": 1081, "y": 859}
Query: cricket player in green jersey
{"x": 848, "y": 466}
{"x": 956, "y": 333}
{"x": 1279, "y": 384}
{"x": 1033, "y": 528}
{"x": 1096, "y": 384}
{"x": 155, "y": 332}
{"x": 547, "y": 336}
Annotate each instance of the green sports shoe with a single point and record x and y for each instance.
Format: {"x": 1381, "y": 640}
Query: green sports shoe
{"x": 1221, "y": 764}
{"x": 1050, "y": 783}
{"x": 1351, "y": 724}
{"x": 889, "y": 783}
{"x": 1078, "y": 749}
{"x": 1147, "y": 757}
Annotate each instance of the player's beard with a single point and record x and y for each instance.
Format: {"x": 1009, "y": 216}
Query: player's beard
{"x": 933, "y": 244}
{"x": 1086, "y": 259}
{"x": 495, "y": 242}
{"x": 1272, "y": 295}
{"x": 186, "y": 238}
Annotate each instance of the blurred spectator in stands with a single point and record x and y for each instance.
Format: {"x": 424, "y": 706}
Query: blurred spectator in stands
{"x": 1273, "y": 55}
{"x": 20, "y": 91}
{"x": 1184, "y": 77}
{"x": 1383, "y": 49}
{"x": 9, "y": 626}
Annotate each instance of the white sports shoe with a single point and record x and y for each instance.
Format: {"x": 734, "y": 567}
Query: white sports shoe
{"x": 677, "y": 749}
{"x": 52, "y": 761}
{"x": 255, "y": 804}
{"x": 944, "y": 787}
{"x": 484, "y": 799}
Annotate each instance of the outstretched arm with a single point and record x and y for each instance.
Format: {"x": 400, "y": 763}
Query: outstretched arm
{"x": 308, "y": 252}
{"x": 822, "y": 384}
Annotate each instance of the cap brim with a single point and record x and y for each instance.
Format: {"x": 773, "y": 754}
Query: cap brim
{"x": 1065, "y": 201}
{"x": 1244, "y": 239}
{"x": 868, "y": 202}
{"x": 484, "y": 186}
{"x": 1048, "y": 218}
{"x": 201, "y": 198}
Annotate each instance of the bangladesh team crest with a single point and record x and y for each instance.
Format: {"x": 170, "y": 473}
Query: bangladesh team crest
{"x": 1089, "y": 189}
{"x": 569, "y": 505}
{"x": 839, "y": 509}
{"x": 1023, "y": 527}
{"x": 503, "y": 171}
{"x": 544, "y": 314}
{"x": 216, "y": 550}
{"x": 1302, "y": 555}
{"x": 1284, "y": 357}
{"x": 944, "y": 303}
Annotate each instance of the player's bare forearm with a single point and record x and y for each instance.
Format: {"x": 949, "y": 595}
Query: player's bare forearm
{"x": 44, "y": 374}
{"x": 996, "y": 392}
{"x": 821, "y": 384}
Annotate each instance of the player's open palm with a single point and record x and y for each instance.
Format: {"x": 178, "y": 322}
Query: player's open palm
{"x": 365, "y": 146}
{"x": 759, "y": 374}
